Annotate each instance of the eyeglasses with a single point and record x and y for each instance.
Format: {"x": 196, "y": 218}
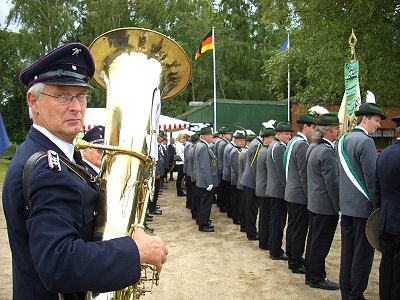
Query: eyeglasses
{"x": 67, "y": 99}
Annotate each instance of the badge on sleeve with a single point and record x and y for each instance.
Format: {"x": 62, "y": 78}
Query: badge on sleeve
{"x": 53, "y": 161}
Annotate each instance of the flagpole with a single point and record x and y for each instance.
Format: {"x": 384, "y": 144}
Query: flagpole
{"x": 288, "y": 79}
{"x": 215, "y": 82}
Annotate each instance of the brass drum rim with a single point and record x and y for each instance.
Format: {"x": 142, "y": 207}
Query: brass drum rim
{"x": 372, "y": 230}
{"x": 176, "y": 63}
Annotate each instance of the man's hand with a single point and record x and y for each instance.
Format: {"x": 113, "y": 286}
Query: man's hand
{"x": 209, "y": 188}
{"x": 152, "y": 250}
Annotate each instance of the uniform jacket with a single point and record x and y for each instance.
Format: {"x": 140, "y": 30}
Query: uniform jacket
{"x": 388, "y": 188}
{"x": 323, "y": 180}
{"x": 276, "y": 181}
{"x": 262, "y": 172}
{"x": 50, "y": 243}
{"x": 186, "y": 160}
{"x": 192, "y": 162}
{"x": 234, "y": 157}
{"x": 361, "y": 152}
{"x": 226, "y": 170}
{"x": 161, "y": 164}
{"x": 220, "y": 146}
{"x": 206, "y": 166}
{"x": 296, "y": 177}
{"x": 241, "y": 167}
{"x": 249, "y": 174}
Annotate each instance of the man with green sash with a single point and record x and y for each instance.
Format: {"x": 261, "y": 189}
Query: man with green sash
{"x": 276, "y": 183}
{"x": 357, "y": 156}
{"x": 295, "y": 163}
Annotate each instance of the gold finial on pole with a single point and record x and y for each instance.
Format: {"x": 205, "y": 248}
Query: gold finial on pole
{"x": 352, "y": 43}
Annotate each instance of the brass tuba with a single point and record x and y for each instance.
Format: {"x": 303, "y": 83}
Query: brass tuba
{"x": 137, "y": 67}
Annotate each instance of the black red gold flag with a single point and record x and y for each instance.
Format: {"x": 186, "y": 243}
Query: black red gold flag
{"x": 206, "y": 44}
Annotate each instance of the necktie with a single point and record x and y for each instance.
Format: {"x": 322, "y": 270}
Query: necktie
{"x": 78, "y": 158}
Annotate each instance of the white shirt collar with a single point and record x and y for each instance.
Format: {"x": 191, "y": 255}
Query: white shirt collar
{"x": 205, "y": 142}
{"x": 65, "y": 147}
{"x": 302, "y": 135}
{"x": 363, "y": 129}
{"x": 330, "y": 142}
{"x": 92, "y": 165}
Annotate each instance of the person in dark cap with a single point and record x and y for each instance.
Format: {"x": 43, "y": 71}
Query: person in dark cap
{"x": 50, "y": 213}
{"x": 92, "y": 157}
{"x": 397, "y": 121}
{"x": 267, "y": 135}
{"x": 387, "y": 199}
{"x": 295, "y": 163}
{"x": 357, "y": 156}
{"x": 276, "y": 183}
{"x": 206, "y": 178}
{"x": 323, "y": 201}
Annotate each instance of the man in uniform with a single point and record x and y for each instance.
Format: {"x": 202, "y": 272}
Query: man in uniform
{"x": 268, "y": 134}
{"x": 50, "y": 230}
{"x": 160, "y": 174}
{"x": 226, "y": 178}
{"x": 206, "y": 178}
{"x": 388, "y": 199}
{"x": 225, "y": 137}
{"x": 323, "y": 201}
{"x": 295, "y": 162}
{"x": 92, "y": 157}
{"x": 192, "y": 162}
{"x": 239, "y": 140}
{"x": 357, "y": 156}
{"x": 187, "y": 172}
{"x": 276, "y": 190}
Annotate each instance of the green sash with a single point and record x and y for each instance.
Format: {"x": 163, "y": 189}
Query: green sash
{"x": 349, "y": 170}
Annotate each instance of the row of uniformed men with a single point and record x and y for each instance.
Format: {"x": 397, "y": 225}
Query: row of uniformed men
{"x": 284, "y": 178}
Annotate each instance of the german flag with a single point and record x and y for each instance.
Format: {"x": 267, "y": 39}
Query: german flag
{"x": 206, "y": 44}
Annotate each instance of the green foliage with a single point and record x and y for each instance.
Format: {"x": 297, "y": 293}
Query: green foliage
{"x": 248, "y": 37}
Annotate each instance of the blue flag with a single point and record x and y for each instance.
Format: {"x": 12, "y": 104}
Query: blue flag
{"x": 4, "y": 142}
{"x": 285, "y": 45}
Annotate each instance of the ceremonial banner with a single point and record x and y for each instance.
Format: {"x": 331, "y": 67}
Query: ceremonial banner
{"x": 351, "y": 84}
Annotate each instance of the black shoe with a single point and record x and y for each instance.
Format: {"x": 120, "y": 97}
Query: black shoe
{"x": 325, "y": 285}
{"x": 181, "y": 195}
{"x": 194, "y": 217}
{"x": 147, "y": 219}
{"x": 300, "y": 270}
{"x": 253, "y": 238}
{"x": 148, "y": 216}
{"x": 281, "y": 257}
{"x": 307, "y": 282}
{"x": 155, "y": 212}
{"x": 206, "y": 229}
{"x": 242, "y": 229}
{"x": 236, "y": 221}
{"x": 262, "y": 247}
{"x": 157, "y": 206}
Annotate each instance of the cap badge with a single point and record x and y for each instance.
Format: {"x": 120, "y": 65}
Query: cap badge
{"x": 76, "y": 51}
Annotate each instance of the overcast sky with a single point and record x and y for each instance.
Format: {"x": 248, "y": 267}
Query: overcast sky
{"x": 5, "y": 6}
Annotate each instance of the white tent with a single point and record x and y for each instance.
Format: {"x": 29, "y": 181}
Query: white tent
{"x": 97, "y": 116}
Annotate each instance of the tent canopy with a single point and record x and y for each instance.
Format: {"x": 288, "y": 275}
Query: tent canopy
{"x": 97, "y": 116}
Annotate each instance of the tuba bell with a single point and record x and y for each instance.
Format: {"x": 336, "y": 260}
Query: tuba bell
{"x": 137, "y": 68}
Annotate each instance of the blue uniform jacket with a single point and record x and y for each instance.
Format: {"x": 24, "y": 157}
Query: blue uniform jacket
{"x": 388, "y": 188}
{"x": 50, "y": 244}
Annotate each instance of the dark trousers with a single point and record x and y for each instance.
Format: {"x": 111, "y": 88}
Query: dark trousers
{"x": 355, "y": 259}
{"x": 152, "y": 204}
{"x": 178, "y": 183}
{"x": 263, "y": 222}
{"x": 242, "y": 212}
{"x": 389, "y": 269}
{"x": 226, "y": 187}
{"x": 299, "y": 217}
{"x": 236, "y": 199}
{"x": 276, "y": 226}
{"x": 204, "y": 210}
{"x": 220, "y": 196}
{"x": 195, "y": 200}
{"x": 320, "y": 236}
{"x": 188, "y": 183}
{"x": 252, "y": 205}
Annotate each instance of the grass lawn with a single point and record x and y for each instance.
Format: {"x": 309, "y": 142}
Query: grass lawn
{"x": 5, "y": 162}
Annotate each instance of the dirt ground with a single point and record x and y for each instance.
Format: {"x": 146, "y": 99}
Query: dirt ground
{"x": 218, "y": 265}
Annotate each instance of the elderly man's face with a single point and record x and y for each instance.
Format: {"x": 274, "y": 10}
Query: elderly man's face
{"x": 63, "y": 120}
{"x": 93, "y": 155}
